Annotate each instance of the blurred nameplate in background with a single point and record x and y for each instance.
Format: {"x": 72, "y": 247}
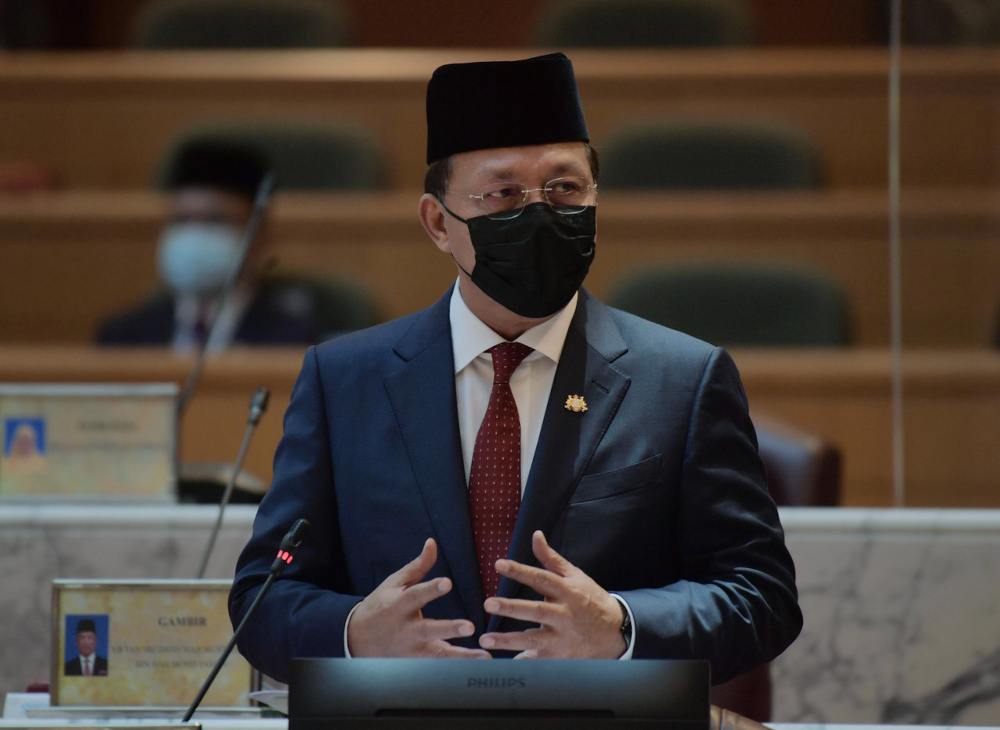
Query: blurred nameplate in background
{"x": 153, "y": 643}
{"x": 88, "y": 441}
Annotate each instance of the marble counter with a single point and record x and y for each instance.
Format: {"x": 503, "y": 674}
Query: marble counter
{"x": 902, "y": 607}
{"x": 40, "y": 543}
{"x": 902, "y": 618}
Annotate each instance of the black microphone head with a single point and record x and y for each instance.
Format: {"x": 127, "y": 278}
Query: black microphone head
{"x": 293, "y": 539}
{"x": 258, "y": 404}
{"x": 290, "y": 545}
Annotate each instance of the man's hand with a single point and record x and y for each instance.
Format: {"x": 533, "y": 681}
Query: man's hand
{"x": 389, "y": 622}
{"x": 579, "y": 619}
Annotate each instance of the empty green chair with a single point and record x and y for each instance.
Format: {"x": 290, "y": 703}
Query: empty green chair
{"x": 339, "y": 304}
{"x": 307, "y": 155}
{"x": 951, "y": 22}
{"x": 686, "y": 154}
{"x": 231, "y": 24}
{"x": 645, "y": 23}
{"x": 751, "y": 305}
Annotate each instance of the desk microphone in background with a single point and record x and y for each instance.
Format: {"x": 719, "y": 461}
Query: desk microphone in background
{"x": 260, "y": 203}
{"x": 257, "y": 407}
{"x": 287, "y": 551}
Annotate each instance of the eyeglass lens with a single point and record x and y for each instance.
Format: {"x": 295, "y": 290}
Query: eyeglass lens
{"x": 566, "y": 195}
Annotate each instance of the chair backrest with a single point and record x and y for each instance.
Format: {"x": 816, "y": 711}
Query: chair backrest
{"x": 699, "y": 154}
{"x": 803, "y": 470}
{"x": 229, "y": 24}
{"x": 340, "y": 305}
{"x": 739, "y": 305}
{"x": 305, "y": 155}
{"x": 951, "y": 22}
{"x": 645, "y": 23}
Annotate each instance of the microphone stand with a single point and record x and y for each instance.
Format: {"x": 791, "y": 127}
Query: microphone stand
{"x": 264, "y": 191}
{"x": 257, "y": 407}
{"x": 286, "y": 552}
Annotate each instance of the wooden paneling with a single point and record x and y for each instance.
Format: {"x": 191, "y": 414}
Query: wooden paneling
{"x": 477, "y": 23}
{"x": 102, "y": 120}
{"x": 68, "y": 260}
{"x": 952, "y": 411}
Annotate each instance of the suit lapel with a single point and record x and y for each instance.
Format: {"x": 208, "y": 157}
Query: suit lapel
{"x": 568, "y": 439}
{"x": 422, "y": 394}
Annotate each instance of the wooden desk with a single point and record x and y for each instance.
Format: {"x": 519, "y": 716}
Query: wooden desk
{"x": 103, "y": 119}
{"x": 69, "y": 260}
{"x": 952, "y": 414}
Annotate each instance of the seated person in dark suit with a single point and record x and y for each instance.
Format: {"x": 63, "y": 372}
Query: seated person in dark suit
{"x": 212, "y": 187}
{"x": 87, "y": 664}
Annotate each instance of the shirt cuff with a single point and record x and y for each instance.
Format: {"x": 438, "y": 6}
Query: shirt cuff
{"x": 347, "y": 652}
{"x": 628, "y": 610}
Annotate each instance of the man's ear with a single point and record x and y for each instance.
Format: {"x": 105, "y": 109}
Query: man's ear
{"x": 432, "y": 216}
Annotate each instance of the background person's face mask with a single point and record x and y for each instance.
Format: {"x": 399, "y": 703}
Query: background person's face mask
{"x": 197, "y": 258}
{"x": 535, "y": 263}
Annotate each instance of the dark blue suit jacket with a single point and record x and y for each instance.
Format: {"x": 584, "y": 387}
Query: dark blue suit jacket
{"x": 656, "y": 492}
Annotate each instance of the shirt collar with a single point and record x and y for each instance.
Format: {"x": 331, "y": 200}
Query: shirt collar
{"x": 470, "y": 337}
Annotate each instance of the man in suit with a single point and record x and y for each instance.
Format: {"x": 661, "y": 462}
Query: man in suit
{"x": 87, "y": 664}
{"x": 518, "y": 470}
{"x": 212, "y": 186}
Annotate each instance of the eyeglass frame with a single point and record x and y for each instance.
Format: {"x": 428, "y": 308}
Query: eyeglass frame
{"x": 524, "y": 200}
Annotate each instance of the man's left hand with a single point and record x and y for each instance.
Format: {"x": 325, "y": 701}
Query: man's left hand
{"x": 578, "y": 619}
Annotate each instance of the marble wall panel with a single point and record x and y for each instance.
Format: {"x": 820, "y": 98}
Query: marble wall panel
{"x": 902, "y": 607}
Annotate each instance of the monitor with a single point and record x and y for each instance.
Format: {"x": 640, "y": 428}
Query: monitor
{"x": 472, "y": 694}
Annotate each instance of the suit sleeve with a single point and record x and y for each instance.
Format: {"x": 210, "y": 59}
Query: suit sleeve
{"x": 305, "y": 612}
{"x": 736, "y": 604}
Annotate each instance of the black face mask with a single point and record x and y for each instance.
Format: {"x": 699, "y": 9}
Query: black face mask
{"x": 535, "y": 263}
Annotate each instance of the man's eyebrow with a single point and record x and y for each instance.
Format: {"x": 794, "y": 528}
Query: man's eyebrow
{"x": 565, "y": 167}
{"x": 496, "y": 172}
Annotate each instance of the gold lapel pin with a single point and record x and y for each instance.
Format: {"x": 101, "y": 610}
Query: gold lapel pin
{"x": 576, "y": 403}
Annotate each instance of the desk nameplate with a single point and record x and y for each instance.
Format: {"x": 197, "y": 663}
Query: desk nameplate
{"x": 88, "y": 441}
{"x": 146, "y": 643}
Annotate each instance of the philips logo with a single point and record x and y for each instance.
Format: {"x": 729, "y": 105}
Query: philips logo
{"x": 496, "y": 683}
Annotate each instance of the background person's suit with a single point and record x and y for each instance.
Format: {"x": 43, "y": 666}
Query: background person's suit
{"x": 656, "y": 492}
{"x": 279, "y": 314}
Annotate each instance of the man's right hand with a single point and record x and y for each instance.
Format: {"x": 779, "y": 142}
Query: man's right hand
{"x": 389, "y": 621}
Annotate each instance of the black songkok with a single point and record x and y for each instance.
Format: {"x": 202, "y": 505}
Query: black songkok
{"x": 233, "y": 167}
{"x": 478, "y": 106}
{"x": 86, "y": 624}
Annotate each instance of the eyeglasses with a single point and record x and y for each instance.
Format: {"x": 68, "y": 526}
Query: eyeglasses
{"x": 506, "y": 200}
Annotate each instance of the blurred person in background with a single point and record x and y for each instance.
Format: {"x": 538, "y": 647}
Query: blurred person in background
{"x": 212, "y": 186}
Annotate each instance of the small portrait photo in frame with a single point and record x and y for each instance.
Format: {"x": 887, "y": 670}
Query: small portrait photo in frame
{"x": 24, "y": 444}
{"x": 86, "y": 652}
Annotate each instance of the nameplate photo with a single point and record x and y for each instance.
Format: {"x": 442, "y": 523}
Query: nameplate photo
{"x": 143, "y": 643}
{"x": 88, "y": 442}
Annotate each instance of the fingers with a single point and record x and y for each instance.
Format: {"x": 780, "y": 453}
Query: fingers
{"x": 532, "y": 640}
{"x": 417, "y": 596}
{"x": 549, "y": 558}
{"x": 444, "y": 650}
{"x": 414, "y": 571}
{"x": 539, "y": 612}
{"x": 546, "y": 582}
{"x": 443, "y": 629}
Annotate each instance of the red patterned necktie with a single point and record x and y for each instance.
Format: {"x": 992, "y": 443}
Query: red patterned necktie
{"x": 86, "y": 667}
{"x": 495, "y": 478}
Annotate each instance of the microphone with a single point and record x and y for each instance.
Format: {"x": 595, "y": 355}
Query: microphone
{"x": 287, "y": 551}
{"x": 264, "y": 191}
{"x": 257, "y": 407}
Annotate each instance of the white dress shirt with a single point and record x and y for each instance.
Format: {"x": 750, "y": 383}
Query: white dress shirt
{"x": 531, "y": 385}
